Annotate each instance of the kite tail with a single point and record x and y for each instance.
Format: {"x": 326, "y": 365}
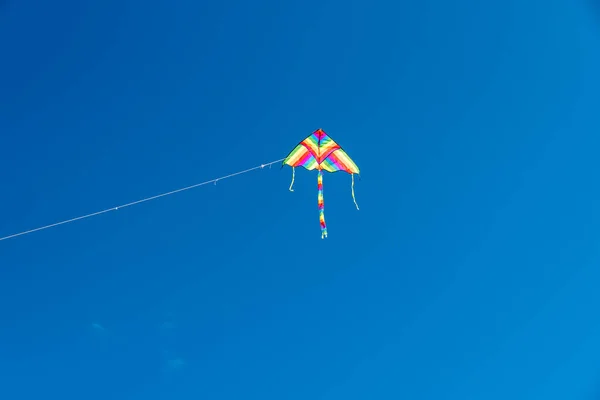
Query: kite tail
{"x": 321, "y": 206}
{"x": 293, "y": 177}
{"x": 354, "y": 197}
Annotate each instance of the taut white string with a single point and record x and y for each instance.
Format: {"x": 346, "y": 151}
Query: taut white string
{"x": 68, "y": 221}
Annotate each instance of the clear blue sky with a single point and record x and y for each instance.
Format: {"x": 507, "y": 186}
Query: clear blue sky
{"x": 470, "y": 272}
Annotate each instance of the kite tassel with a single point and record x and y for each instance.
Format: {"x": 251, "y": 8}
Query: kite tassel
{"x": 293, "y": 177}
{"x": 353, "y": 196}
{"x": 321, "y": 205}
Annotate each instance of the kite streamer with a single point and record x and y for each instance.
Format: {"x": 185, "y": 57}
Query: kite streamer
{"x": 321, "y": 205}
{"x": 293, "y": 177}
{"x": 318, "y": 151}
{"x": 353, "y": 196}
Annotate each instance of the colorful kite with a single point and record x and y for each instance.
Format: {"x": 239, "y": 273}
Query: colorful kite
{"x": 320, "y": 152}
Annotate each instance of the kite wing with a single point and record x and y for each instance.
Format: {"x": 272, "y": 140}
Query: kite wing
{"x": 318, "y": 151}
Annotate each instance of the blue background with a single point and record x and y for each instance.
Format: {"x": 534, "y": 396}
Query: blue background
{"x": 470, "y": 272}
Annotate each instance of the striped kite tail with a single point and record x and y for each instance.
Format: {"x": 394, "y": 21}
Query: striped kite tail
{"x": 321, "y": 206}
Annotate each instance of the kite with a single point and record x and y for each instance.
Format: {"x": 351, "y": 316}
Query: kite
{"x": 320, "y": 152}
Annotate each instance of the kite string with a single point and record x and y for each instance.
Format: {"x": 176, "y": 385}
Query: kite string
{"x": 139, "y": 201}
